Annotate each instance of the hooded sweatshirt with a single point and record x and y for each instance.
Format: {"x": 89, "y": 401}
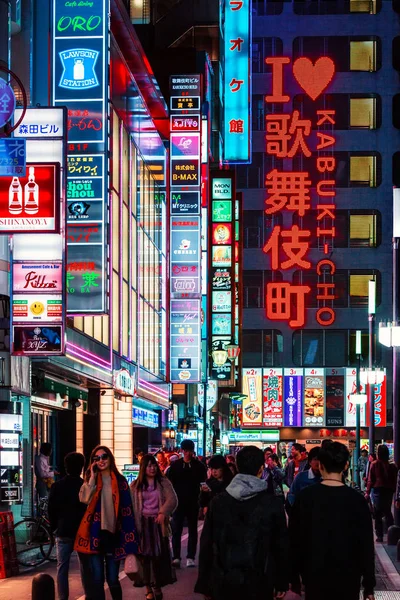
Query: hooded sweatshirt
{"x": 243, "y": 487}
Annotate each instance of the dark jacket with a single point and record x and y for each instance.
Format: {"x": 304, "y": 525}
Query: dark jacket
{"x": 216, "y": 487}
{"x": 186, "y": 479}
{"x": 65, "y": 510}
{"x": 334, "y": 525}
{"x": 244, "y": 544}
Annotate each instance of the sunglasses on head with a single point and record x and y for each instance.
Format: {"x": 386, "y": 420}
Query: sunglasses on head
{"x": 100, "y": 457}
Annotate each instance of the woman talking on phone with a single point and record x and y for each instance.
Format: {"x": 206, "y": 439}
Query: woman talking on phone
{"x": 154, "y": 501}
{"x": 107, "y": 533}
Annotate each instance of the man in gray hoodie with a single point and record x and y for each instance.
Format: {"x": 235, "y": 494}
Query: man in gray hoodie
{"x": 244, "y": 544}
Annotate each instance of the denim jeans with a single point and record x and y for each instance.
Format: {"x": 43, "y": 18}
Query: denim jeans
{"x": 65, "y": 547}
{"x": 92, "y": 571}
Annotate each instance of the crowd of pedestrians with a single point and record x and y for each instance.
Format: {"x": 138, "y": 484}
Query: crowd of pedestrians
{"x": 320, "y": 538}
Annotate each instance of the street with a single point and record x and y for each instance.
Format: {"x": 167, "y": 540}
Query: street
{"x": 19, "y": 588}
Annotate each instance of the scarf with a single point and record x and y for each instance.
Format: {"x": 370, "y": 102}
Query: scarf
{"x": 126, "y": 539}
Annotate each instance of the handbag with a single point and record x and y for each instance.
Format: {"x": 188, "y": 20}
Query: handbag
{"x": 133, "y": 568}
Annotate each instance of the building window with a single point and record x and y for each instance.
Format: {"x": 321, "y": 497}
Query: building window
{"x": 140, "y": 11}
{"x": 260, "y": 49}
{"x": 358, "y": 288}
{"x": 254, "y": 287}
{"x": 363, "y": 6}
{"x": 320, "y": 348}
{"x": 257, "y": 227}
{"x": 363, "y": 55}
{"x": 363, "y": 171}
{"x": 363, "y": 113}
{"x": 262, "y": 348}
{"x": 267, "y": 7}
{"x": 363, "y": 230}
{"x": 335, "y": 7}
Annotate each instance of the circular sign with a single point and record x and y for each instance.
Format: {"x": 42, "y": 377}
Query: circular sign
{"x": 7, "y": 102}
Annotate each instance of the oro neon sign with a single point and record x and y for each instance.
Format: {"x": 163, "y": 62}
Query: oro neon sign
{"x": 288, "y": 136}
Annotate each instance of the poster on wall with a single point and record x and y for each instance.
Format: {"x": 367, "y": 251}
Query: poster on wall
{"x": 335, "y": 392}
{"x": 314, "y": 397}
{"x": 293, "y": 398}
{"x": 379, "y": 395}
{"x": 272, "y": 398}
{"x": 351, "y": 388}
{"x": 252, "y": 405}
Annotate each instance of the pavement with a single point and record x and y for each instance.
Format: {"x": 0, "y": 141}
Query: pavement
{"x": 19, "y": 588}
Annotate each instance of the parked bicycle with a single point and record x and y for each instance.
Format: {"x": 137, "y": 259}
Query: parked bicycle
{"x": 34, "y": 539}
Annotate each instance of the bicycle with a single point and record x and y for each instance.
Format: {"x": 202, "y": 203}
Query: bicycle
{"x": 34, "y": 538}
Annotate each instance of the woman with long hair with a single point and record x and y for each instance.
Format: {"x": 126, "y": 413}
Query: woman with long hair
{"x": 220, "y": 478}
{"x": 381, "y": 486}
{"x": 107, "y": 533}
{"x": 154, "y": 501}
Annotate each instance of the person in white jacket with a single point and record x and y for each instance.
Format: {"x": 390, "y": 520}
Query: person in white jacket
{"x": 43, "y": 471}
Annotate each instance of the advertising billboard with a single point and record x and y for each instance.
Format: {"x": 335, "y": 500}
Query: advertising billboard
{"x": 293, "y": 398}
{"x": 253, "y": 403}
{"x": 335, "y": 395}
{"x": 272, "y": 398}
{"x": 350, "y": 407}
{"x": 314, "y": 397}
{"x": 185, "y": 341}
{"x": 31, "y": 202}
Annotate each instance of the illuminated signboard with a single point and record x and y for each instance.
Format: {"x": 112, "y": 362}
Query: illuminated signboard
{"x": 31, "y": 202}
{"x": 293, "y": 398}
{"x": 12, "y": 157}
{"x": 314, "y": 397}
{"x": 185, "y": 255}
{"x": 289, "y": 136}
{"x": 235, "y": 24}
{"x": 185, "y": 327}
{"x": 38, "y": 341}
{"x": 335, "y": 397}
{"x": 145, "y": 417}
{"x": 37, "y": 307}
{"x": 185, "y": 103}
{"x": 272, "y": 398}
{"x": 40, "y": 123}
{"x": 350, "y": 407}
{"x": 33, "y": 277}
{"x": 185, "y": 123}
{"x": 80, "y": 81}
{"x": 253, "y": 403}
{"x": 185, "y": 203}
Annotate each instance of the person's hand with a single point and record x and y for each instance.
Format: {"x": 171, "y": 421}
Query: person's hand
{"x": 280, "y": 594}
{"x": 160, "y": 519}
{"x": 93, "y": 470}
{"x": 205, "y": 488}
{"x": 369, "y": 597}
{"x": 366, "y": 496}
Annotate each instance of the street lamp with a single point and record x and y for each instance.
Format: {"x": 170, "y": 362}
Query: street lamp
{"x": 371, "y": 323}
{"x": 220, "y": 357}
{"x": 233, "y": 351}
{"x": 372, "y": 376}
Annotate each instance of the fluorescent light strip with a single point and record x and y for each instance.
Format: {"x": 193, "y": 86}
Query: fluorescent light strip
{"x": 89, "y": 355}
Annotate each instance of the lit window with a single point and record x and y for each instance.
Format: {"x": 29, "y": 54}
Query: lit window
{"x": 363, "y": 6}
{"x": 359, "y": 289}
{"x": 363, "y": 231}
{"x": 363, "y": 56}
{"x": 363, "y": 113}
{"x": 363, "y": 170}
{"x": 140, "y": 11}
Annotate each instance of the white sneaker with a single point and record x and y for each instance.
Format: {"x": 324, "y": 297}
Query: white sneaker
{"x": 176, "y": 563}
{"x": 190, "y": 562}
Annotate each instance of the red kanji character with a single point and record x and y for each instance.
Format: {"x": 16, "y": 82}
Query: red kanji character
{"x": 236, "y": 84}
{"x": 238, "y": 4}
{"x": 279, "y": 134}
{"x": 287, "y": 189}
{"x": 236, "y": 44}
{"x": 295, "y": 249}
{"x": 279, "y": 305}
{"x": 236, "y": 126}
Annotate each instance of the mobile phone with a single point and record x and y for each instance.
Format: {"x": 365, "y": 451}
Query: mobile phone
{"x": 95, "y": 468}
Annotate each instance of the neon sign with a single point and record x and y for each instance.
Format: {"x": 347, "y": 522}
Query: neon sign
{"x": 288, "y": 136}
{"x": 235, "y": 24}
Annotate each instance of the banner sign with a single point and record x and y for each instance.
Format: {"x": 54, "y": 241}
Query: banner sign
{"x": 314, "y": 397}
{"x": 185, "y": 256}
{"x": 335, "y": 392}
{"x": 293, "y": 398}
{"x": 235, "y": 27}
{"x": 351, "y": 388}
{"x": 12, "y": 157}
{"x": 185, "y": 328}
{"x": 40, "y": 123}
{"x": 272, "y": 398}
{"x": 31, "y": 202}
{"x": 185, "y": 203}
{"x": 31, "y": 277}
{"x": 80, "y": 81}
{"x": 145, "y": 417}
{"x": 253, "y": 403}
{"x": 38, "y": 341}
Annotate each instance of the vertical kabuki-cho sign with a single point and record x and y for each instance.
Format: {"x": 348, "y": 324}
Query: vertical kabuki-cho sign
{"x": 80, "y": 81}
{"x": 235, "y": 21}
{"x": 290, "y": 136}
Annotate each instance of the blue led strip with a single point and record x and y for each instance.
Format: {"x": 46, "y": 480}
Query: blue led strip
{"x": 237, "y": 80}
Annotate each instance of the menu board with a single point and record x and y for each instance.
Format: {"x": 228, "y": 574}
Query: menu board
{"x": 314, "y": 397}
{"x": 252, "y": 404}
{"x": 335, "y": 394}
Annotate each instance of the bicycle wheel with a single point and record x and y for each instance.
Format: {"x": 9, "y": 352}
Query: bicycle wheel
{"x": 33, "y": 541}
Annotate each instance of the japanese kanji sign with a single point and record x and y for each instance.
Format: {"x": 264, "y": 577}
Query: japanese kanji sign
{"x": 289, "y": 136}
{"x": 45, "y": 122}
{"x": 7, "y": 102}
{"x": 272, "y": 398}
{"x": 12, "y": 157}
{"x": 185, "y": 327}
{"x": 235, "y": 25}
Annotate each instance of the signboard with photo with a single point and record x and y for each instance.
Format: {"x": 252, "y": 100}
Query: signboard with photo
{"x": 253, "y": 403}
{"x": 314, "y": 397}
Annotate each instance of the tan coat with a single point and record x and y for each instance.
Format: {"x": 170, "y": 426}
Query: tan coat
{"x": 168, "y": 504}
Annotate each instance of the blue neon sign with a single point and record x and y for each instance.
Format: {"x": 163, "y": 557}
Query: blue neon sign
{"x": 237, "y": 80}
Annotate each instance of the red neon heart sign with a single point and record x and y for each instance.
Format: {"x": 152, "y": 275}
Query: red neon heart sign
{"x": 314, "y": 79}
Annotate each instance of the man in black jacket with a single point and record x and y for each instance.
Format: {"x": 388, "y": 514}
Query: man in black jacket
{"x": 65, "y": 514}
{"x": 333, "y": 523}
{"x": 244, "y": 544}
{"x": 186, "y": 475}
